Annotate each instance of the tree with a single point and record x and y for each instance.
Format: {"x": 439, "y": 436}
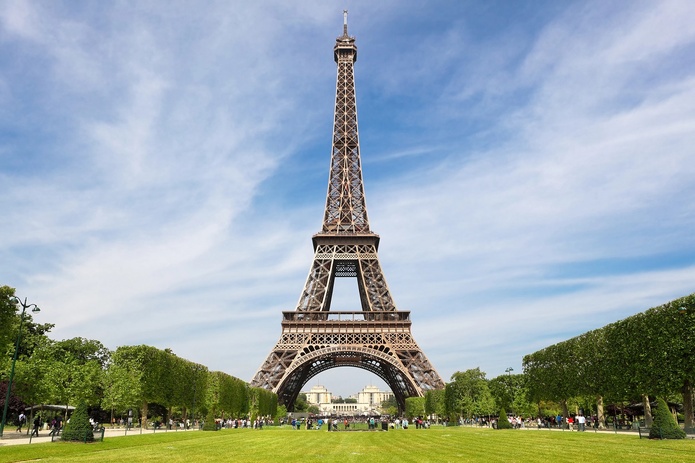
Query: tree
{"x": 414, "y": 407}
{"x": 79, "y": 428}
{"x": 301, "y": 405}
{"x": 74, "y": 370}
{"x": 8, "y": 316}
{"x": 665, "y": 425}
{"x": 25, "y": 387}
{"x": 435, "y": 403}
{"x": 657, "y": 361}
{"x": 503, "y": 421}
{"x": 502, "y": 390}
{"x": 390, "y": 406}
{"x": 263, "y": 403}
{"x": 119, "y": 384}
{"x": 210, "y": 423}
{"x": 468, "y": 394}
{"x": 511, "y": 393}
{"x": 227, "y": 394}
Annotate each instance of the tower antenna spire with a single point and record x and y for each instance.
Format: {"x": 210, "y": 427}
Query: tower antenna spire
{"x": 345, "y": 34}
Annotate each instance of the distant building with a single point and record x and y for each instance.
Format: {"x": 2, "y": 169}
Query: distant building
{"x": 318, "y": 395}
{"x": 372, "y": 396}
{"x": 368, "y": 399}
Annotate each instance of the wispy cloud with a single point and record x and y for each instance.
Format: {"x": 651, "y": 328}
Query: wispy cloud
{"x": 529, "y": 172}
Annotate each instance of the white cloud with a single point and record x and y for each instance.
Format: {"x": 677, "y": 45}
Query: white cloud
{"x": 528, "y": 184}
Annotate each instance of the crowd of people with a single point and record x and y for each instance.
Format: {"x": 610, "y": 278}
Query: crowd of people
{"x": 54, "y": 425}
{"x": 572, "y": 422}
{"x": 356, "y": 423}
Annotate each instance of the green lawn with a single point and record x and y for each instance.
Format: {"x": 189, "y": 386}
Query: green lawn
{"x": 401, "y": 446}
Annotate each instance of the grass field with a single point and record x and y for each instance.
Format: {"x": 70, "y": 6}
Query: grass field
{"x": 401, "y": 446}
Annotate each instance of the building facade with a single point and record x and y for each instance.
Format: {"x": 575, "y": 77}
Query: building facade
{"x": 368, "y": 401}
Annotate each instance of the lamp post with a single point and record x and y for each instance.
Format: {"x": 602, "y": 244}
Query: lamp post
{"x": 34, "y": 308}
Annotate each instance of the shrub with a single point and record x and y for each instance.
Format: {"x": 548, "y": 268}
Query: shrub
{"x": 664, "y": 425}
{"x": 79, "y": 428}
{"x": 210, "y": 424}
{"x": 503, "y": 421}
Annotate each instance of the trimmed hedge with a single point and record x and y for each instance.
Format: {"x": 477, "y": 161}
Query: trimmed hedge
{"x": 79, "y": 428}
{"x": 503, "y": 421}
{"x": 665, "y": 426}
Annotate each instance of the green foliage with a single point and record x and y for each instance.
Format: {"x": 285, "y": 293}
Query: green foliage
{"x": 227, "y": 394}
{"x": 78, "y": 428}
{"x": 389, "y": 406}
{"x": 503, "y": 421}
{"x": 511, "y": 393}
{"x": 69, "y": 371}
{"x": 649, "y": 353}
{"x": 30, "y": 381}
{"x": 210, "y": 424}
{"x": 157, "y": 376}
{"x": 300, "y": 403}
{"x": 133, "y": 377}
{"x": 665, "y": 425}
{"x": 8, "y": 317}
{"x": 262, "y": 403}
{"x": 414, "y": 407}
{"x": 32, "y": 336}
{"x": 435, "y": 402}
{"x": 281, "y": 413}
{"x": 468, "y": 394}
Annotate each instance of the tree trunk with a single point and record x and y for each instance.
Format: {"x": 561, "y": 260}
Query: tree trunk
{"x": 565, "y": 412}
{"x": 648, "y": 419}
{"x": 30, "y": 422}
{"x": 599, "y": 412}
{"x": 688, "y": 405}
{"x": 143, "y": 415}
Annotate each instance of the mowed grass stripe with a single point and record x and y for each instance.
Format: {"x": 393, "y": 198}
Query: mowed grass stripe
{"x": 402, "y": 446}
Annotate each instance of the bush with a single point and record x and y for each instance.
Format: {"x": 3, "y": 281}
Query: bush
{"x": 503, "y": 421}
{"x": 210, "y": 424}
{"x": 79, "y": 428}
{"x": 665, "y": 426}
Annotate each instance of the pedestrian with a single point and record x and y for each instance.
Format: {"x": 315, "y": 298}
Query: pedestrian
{"x": 37, "y": 424}
{"x": 581, "y": 420}
{"x": 20, "y": 421}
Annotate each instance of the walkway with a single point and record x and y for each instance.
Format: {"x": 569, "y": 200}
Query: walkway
{"x": 11, "y": 437}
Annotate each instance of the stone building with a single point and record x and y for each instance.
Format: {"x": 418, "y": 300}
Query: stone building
{"x": 368, "y": 400}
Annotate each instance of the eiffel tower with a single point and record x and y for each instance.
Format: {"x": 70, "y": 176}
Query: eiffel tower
{"x": 376, "y": 338}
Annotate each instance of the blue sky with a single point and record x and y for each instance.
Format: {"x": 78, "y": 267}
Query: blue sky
{"x": 528, "y": 165}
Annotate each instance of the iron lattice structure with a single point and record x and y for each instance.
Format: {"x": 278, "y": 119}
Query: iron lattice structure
{"x": 376, "y": 338}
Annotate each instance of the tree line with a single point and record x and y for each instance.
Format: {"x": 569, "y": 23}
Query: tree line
{"x": 639, "y": 358}
{"x": 131, "y": 381}
{"x": 634, "y": 360}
